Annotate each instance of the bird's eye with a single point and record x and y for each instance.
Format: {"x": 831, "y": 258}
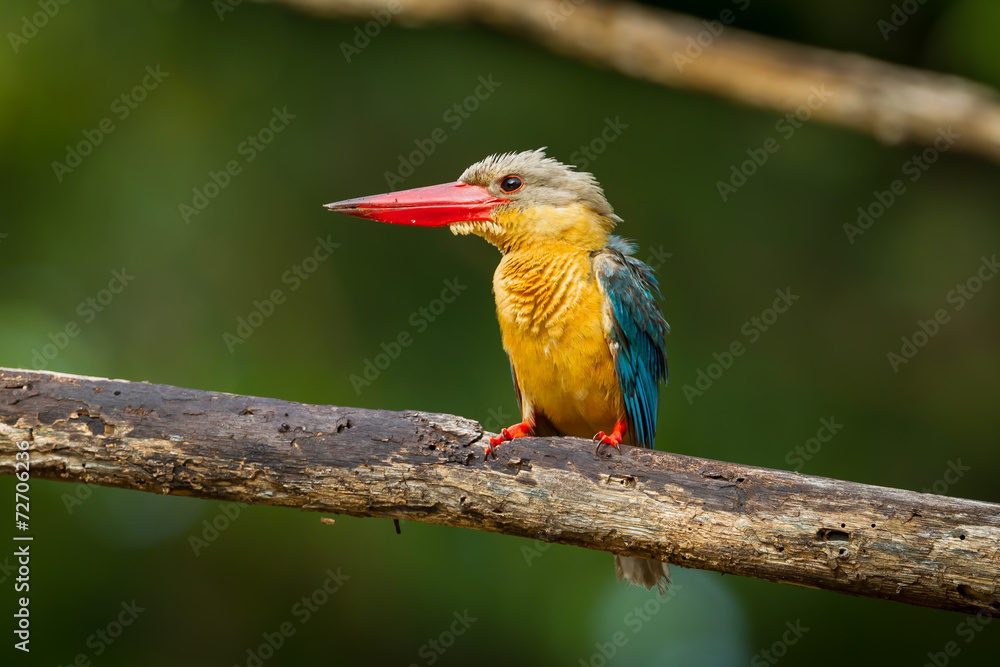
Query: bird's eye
{"x": 511, "y": 184}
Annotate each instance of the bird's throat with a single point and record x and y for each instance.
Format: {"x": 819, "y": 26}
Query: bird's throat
{"x": 531, "y": 228}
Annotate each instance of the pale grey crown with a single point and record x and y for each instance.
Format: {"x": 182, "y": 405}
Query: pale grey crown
{"x": 547, "y": 181}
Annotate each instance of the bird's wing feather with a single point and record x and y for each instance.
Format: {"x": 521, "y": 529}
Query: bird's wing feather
{"x": 637, "y": 333}
{"x": 517, "y": 387}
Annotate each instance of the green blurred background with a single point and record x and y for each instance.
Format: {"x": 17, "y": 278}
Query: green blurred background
{"x": 60, "y": 241}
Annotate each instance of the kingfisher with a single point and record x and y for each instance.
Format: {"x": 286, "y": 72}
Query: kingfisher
{"x": 579, "y": 314}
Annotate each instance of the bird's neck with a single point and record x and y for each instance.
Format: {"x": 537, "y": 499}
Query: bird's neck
{"x": 539, "y": 229}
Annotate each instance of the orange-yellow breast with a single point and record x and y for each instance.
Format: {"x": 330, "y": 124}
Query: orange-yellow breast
{"x": 554, "y": 327}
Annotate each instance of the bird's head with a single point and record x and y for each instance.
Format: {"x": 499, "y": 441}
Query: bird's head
{"x": 512, "y": 200}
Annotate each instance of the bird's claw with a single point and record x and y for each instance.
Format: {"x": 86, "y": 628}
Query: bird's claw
{"x": 495, "y": 442}
{"x": 615, "y": 439}
{"x": 602, "y": 439}
{"x": 521, "y": 430}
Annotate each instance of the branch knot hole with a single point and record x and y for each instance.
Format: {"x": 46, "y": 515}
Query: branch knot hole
{"x": 94, "y": 423}
{"x": 626, "y": 481}
{"x": 832, "y": 535}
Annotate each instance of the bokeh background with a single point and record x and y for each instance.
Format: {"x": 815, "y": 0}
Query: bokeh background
{"x": 62, "y": 237}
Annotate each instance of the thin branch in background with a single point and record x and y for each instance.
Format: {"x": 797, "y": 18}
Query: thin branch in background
{"x": 890, "y": 102}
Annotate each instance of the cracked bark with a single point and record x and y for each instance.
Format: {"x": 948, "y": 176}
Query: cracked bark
{"x": 851, "y": 538}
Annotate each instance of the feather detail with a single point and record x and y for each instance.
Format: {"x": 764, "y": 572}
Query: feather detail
{"x": 636, "y": 332}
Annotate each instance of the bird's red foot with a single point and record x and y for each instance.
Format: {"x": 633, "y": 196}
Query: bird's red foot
{"x": 520, "y": 430}
{"x": 614, "y": 439}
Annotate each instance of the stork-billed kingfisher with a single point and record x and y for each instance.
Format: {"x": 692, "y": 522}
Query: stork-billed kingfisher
{"x": 579, "y": 315}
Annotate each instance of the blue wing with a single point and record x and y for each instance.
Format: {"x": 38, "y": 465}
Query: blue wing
{"x": 638, "y": 333}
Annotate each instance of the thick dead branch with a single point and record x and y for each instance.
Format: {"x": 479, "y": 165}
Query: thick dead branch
{"x": 890, "y": 102}
{"x": 862, "y": 540}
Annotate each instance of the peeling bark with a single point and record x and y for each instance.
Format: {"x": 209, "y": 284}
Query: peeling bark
{"x": 780, "y": 526}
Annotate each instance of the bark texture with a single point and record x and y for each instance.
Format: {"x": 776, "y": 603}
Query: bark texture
{"x": 862, "y": 540}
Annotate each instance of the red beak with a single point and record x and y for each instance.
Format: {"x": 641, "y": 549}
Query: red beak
{"x": 433, "y": 206}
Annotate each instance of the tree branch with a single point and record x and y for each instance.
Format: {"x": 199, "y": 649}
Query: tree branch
{"x": 890, "y": 102}
{"x": 811, "y": 531}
